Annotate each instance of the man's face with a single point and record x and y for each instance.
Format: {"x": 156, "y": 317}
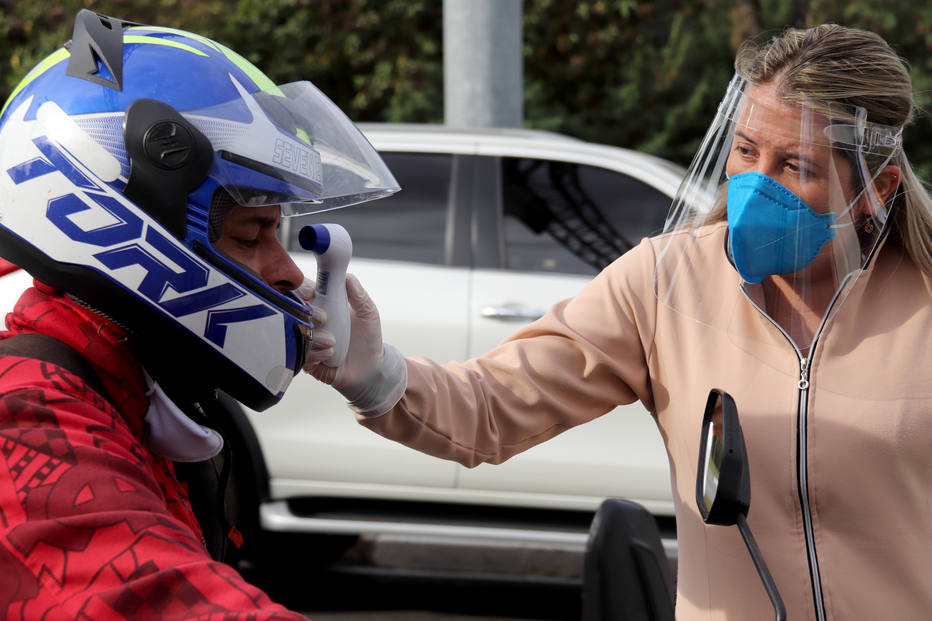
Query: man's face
{"x": 249, "y": 238}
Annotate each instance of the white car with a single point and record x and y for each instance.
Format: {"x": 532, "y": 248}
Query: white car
{"x": 490, "y": 229}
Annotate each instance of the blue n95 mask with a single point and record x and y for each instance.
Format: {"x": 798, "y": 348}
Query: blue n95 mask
{"x": 771, "y": 230}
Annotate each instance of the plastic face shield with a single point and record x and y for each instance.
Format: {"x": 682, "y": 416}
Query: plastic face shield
{"x": 796, "y": 182}
{"x": 294, "y": 147}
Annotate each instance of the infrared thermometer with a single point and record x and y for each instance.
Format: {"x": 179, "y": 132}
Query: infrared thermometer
{"x": 332, "y": 247}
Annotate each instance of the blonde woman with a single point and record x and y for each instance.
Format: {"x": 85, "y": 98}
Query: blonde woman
{"x": 795, "y": 273}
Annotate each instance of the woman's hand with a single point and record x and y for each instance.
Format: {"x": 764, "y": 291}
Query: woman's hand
{"x": 365, "y": 348}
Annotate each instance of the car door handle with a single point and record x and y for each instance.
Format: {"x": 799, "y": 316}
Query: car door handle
{"x": 511, "y": 313}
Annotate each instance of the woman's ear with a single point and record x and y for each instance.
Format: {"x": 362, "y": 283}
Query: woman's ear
{"x": 883, "y": 187}
{"x": 887, "y": 181}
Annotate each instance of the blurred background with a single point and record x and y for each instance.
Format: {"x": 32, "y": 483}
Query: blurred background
{"x": 643, "y": 74}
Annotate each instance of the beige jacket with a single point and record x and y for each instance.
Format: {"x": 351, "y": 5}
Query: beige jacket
{"x": 865, "y": 421}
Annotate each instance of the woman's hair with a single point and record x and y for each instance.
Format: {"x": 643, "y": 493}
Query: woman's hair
{"x": 832, "y": 64}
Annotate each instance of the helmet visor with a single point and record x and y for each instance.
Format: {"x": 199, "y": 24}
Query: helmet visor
{"x": 786, "y": 188}
{"x": 291, "y": 146}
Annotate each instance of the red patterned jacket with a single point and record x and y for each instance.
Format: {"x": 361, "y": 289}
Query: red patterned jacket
{"x": 92, "y": 525}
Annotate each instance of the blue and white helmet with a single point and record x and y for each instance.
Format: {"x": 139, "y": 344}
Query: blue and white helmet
{"x": 113, "y": 151}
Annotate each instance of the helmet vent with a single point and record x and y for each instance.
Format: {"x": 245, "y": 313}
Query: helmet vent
{"x": 97, "y": 45}
{"x": 220, "y": 206}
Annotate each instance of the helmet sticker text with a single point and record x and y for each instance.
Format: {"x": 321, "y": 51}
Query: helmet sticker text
{"x": 124, "y": 245}
{"x": 296, "y": 158}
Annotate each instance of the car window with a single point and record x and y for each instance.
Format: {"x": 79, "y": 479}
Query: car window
{"x": 407, "y": 226}
{"x": 573, "y": 218}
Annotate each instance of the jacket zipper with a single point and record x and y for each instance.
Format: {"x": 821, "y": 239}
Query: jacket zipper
{"x": 802, "y": 474}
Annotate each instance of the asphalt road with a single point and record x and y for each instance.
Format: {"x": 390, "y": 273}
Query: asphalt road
{"x": 442, "y": 599}
{"x": 391, "y": 580}
{"x": 425, "y": 596}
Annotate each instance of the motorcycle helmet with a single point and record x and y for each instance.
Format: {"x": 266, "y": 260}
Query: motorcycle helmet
{"x": 119, "y": 155}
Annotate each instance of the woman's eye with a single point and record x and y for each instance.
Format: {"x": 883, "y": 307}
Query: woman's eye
{"x": 797, "y": 169}
{"x": 744, "y": 150}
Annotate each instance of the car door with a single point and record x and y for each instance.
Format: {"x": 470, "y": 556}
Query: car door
{"x": 559, "y": 223}
{"x": 405, "y": 255}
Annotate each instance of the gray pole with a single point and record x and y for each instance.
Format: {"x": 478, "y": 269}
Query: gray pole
{"x": 482, "y": 75}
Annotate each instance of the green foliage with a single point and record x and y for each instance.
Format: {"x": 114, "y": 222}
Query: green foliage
{"x": 377, "y": 60}
{"x": 29, "y": 31}
{"x": 645, "y": 74}
{"x": 626, "y": 72}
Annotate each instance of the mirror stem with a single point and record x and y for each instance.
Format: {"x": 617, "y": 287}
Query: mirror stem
{"x": 765, "y": 577}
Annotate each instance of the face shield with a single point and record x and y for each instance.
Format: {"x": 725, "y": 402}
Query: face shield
{"x": 291, "y": 146}
{"x": 789, "y": 192}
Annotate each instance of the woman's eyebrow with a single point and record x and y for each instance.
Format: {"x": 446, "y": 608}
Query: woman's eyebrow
{"x": 790, "y": 153}
{"x": 797, "y": 155}
{"x": 744, "y": 136}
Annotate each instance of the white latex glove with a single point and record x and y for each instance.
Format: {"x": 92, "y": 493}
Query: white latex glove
{"x": 321, "y": 348}
{"x": 373, "y": 376}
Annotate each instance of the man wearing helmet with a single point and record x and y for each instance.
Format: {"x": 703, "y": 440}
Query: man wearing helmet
{"x": 143, "y": 174}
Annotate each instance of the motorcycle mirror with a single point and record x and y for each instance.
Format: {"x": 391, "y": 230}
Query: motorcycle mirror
{"x": 723, "y": 488}
{"x": 723, "y": 481}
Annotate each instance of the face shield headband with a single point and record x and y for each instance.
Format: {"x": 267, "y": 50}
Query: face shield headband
{"x": 782, "y": 189}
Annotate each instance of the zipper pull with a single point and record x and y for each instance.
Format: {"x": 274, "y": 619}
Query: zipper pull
{"x": 803, "y": 374}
